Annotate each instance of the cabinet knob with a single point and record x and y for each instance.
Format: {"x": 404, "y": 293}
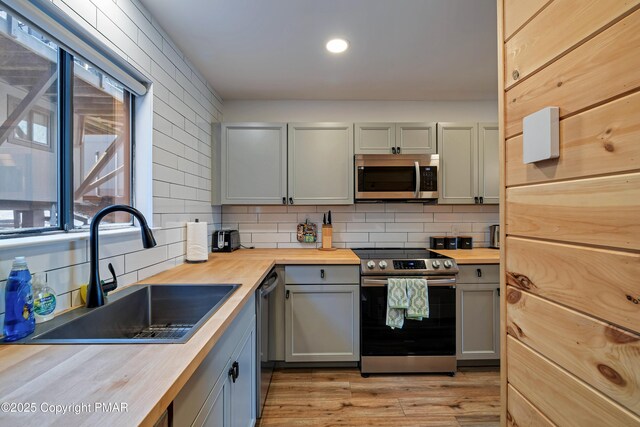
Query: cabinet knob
{"x": 498, "y": 290}
{"x": 290, "y": 200}
{"x": 515, "y": 74}
{"x": 234, "y": 371}
{"x": 476, "y": 200}
{"x": 286, "y": 295}
{"x": 479, "y": 272}
{"x": 393, "y": 150}
{"x": 284, "y": 200}
{"x": 398, "y": 150}
{"x": 322, "y": 273}
{"x": 481, "y": 200}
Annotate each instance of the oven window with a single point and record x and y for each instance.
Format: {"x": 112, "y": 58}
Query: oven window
{"x": 434, "y": 336}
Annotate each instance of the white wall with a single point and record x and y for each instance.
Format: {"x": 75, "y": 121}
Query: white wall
{"x": 354, "y": 111}
{"x": 184, "y": 107}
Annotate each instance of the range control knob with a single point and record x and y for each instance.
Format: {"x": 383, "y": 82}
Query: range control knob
{"x": 436, "y": 264}
{"x": 371, "y": 265}
{"x": 448, "y": 264}
{"x": 382, "y": 265}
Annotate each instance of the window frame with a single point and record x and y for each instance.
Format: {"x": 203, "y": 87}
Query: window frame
{"x": 62, "y": 135}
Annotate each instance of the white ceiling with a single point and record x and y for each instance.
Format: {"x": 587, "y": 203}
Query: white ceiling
{"x": 400, "y": 49}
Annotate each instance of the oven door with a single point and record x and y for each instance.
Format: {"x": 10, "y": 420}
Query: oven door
{"x": 389, "y": 177}
{"x": 435, "y": 336}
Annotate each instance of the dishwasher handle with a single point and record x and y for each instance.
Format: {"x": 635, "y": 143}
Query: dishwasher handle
{"x": 269, "y": 285}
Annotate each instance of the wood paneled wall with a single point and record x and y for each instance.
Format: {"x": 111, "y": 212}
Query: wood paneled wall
{"x": 571, "y": 226}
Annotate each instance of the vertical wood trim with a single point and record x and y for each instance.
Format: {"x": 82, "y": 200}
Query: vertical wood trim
{"x": 501, "y": 153}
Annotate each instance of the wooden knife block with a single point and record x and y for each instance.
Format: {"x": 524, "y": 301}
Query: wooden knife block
{"x": 327, "y": 236}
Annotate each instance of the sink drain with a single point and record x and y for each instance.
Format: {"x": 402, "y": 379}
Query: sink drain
{"x": 169, "y": 331}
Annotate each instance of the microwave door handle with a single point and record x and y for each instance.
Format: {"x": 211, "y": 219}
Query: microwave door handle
{"x": 417, "y": 170}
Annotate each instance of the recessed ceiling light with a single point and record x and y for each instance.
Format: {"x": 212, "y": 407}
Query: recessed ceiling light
{"x": 337, "y": 45}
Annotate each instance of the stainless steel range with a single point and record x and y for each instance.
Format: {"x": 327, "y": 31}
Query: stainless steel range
{"x": 428, "y": 345}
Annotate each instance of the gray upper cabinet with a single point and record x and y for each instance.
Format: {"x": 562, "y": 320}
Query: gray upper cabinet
{"x": 416, "y": 138}
{"x": 395, "y": 138}
{"x": 458, "y": 149}
{"x": 469, "y": 171}
{"x": 375, "y": 138}
{"x": 253, "y": 163}
{"x": 320, "y": 163}
{"x": 488, "y": 163}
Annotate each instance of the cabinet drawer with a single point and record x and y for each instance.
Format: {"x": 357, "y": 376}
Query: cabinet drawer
{"x": 489, "y": 273}
{"x": 320, "y": 274}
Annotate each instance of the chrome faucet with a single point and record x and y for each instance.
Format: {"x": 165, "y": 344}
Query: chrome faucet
{"x": 95, "y": 293}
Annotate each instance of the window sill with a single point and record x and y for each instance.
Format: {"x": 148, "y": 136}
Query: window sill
{"x": 49, "y": 239}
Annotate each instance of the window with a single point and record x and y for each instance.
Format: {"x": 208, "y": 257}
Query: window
{"x": 65, "y": 137}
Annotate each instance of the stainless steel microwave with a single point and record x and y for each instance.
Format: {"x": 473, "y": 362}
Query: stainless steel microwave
{"x": 402, "y": 177}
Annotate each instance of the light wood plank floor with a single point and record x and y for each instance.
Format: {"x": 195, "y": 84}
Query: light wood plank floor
{"x": 341, "y": 397}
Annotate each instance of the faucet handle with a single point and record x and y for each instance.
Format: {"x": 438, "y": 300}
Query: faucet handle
{"x": 112, "y": 284}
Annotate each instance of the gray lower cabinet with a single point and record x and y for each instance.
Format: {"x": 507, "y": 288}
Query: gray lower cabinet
{"x": 478, "y": 313}
{"x": 320, "y": 163}
{"x": 469, "y": 163}
{"x": 322, "y": 313}
{"x": 222, "y": 391}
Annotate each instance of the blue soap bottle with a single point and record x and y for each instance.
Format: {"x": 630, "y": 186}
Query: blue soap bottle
{"x": 19, "y": 320}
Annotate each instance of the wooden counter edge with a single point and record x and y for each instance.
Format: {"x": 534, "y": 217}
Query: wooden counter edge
{"x": 472, "y": 256}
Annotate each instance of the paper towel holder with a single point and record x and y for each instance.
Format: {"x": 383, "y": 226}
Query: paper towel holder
{"x": 197, "y": 261}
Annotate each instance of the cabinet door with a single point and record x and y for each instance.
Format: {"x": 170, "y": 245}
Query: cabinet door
{"x": 478, "y": 321}
{"x": 322, "y": 323}
{"x": 488, "y": 163}
{"x": 416, "y": 138}
{"x": 321, "y": 163}
{"x": 243, "y": 390}
{"x": 458, "y": 149}
{"x": 254, "y": 163}
{"x": 375, "y": 138}
{"x": 216, "y": 410}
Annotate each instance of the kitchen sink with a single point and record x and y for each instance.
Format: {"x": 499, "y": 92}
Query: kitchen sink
{"x": 139, "y": 314}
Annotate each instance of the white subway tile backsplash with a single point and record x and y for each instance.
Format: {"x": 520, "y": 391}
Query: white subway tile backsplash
{"x": 403, "y": 207}
{"x": 271, "y": 237}
{"x": 280, "y": 217}
{"x": 385, "y": 224}
{"x": 350, "y": 237}
{"x": 267, "y": 209}
{"x": 240, "y": 217}
{"x": 413, "y": 217}
{"x": 262, "y": 228}
{"x": 141, "y": 259}
{"x": 347, "y": 217}
{"x": 413, "y": 227}
{"x": 365, "y": 226}
{"x": 388, "y": 237}
{"x": 382, "y": 217}
{"x": 370, "y": 207}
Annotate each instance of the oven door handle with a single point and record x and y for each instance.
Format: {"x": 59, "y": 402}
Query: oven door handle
{"x": 444, "y": 281}
{"x": 418, "y": 185}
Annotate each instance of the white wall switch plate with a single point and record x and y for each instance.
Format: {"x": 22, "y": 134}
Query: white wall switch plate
{"x": 541, "y": 135}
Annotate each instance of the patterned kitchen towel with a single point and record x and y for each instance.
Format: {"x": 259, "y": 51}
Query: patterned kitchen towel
{"x": 395, "y": 317}
{"x": 397, "y": 301}
{"x": 397, "y": 293}
{"x": 418, "y": 294}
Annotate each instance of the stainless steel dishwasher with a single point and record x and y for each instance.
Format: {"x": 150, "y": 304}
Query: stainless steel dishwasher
{"x": 264, "y": 362}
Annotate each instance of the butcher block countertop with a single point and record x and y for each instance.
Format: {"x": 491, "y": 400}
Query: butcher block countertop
{"x": 145, "y": 377}
{"x": 472, "y": 256}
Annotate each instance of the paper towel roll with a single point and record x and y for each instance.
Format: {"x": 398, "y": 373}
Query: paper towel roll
{"x": 197, "y": 242}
